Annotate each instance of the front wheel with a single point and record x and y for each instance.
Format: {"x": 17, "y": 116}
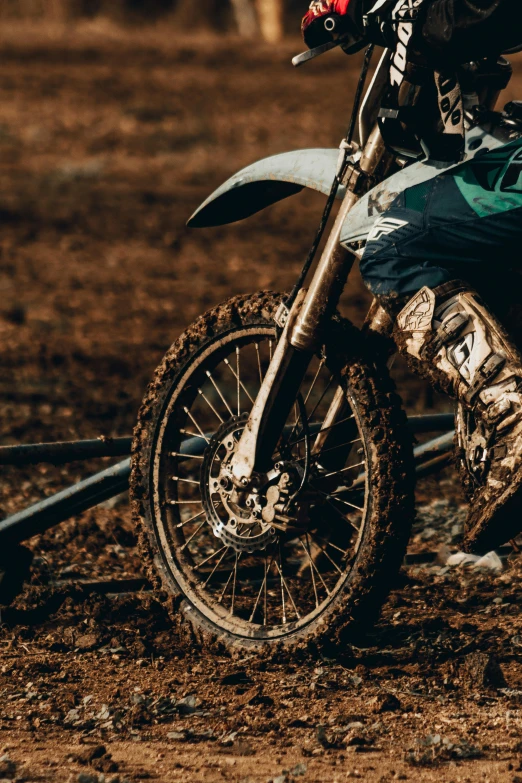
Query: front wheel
{"x": 309, "y": 552}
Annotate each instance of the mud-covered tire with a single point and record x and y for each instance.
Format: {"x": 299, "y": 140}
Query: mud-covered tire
{"x": 391, "y": 492}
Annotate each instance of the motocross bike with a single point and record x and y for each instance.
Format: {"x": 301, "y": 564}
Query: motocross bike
{"x": 273, "y": 479}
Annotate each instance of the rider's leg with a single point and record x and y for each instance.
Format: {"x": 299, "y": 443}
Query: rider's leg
{"x": 430, "y": 238}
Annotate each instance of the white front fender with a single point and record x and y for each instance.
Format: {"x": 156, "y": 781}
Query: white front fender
{"x": 265, "y": 182}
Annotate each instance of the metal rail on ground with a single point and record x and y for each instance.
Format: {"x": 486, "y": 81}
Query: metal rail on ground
{"x": 112, "y": 481}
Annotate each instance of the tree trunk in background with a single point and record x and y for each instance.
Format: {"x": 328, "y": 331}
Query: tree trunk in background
{"x": 270, "y": 14}
{"x": 245, "y": 17}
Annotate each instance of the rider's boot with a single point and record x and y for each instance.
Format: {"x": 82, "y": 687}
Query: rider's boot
{"x": 454, "y": 340}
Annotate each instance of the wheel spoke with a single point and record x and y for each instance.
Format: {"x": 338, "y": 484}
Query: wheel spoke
{"x": 282, "y": 590}
{"x": 238, "y": 377}
{"x": 214, "y": 411}
{"x": 183, "y": 502}
{"x": 265, "y": 595}
{"x": 192, "y": 519}
{"x": 316, "y": 376}
{"x": 343, "y": 516}
{"x": 344, "y": 470}
{"x": 321, "y": 398}
{"x": 234, "y": 586}
{"x": 186, "y": 480}
{"x": 325, "y": 553}
{"x": 216, "y": 387}
{"x": 259, "y": 365}
{"x": 329, "y": 543}
{"x": 209, "y": 577}
{"x": 314, "y": 565}
{"x": 206, "y": 560}
{"x": 220, "y": 599}
{"x": 311, "y": 573}
{"x": 347, "y": 503}
{"x": 284, "y": 583}
{"x": 194, "y": 534}
{"x": 240, "y": 385}
{"x": 340, "y": 446}
{"x": 326, "y": 429}
{"x": 262, "y": 590}
{"x": 193, "y": 434}
{"x": 196, "y": 425}
{"x": 186, "y": 456}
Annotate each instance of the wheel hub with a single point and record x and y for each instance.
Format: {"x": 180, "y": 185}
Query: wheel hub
{"x": 237, "y": 517}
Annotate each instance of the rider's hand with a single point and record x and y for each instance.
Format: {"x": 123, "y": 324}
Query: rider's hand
{"x": 343, "y": 19}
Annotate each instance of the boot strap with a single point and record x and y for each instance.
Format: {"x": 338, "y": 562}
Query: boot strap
{"x": 489, "y": 369}
{"x": 449, "y": 330}
{"x": 498, "y": 452}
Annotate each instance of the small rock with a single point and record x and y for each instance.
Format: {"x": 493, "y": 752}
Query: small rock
{"x": 431, "y": 740}
{"x": 87, "y": 777}
{"x": 249, "y": 697}
{"x": 188, "y": 705}
{"x": 87, "y": 641}
{"x": 7, "y": 767}
{"x": 356, "y": 739}
{"x": 299, "y": 769}
{"x": 322, "y": 737}
{"x": 176, "y": 735}
{"x": 72, "y": 716}
{"x": 95, "y": 752}
{"x": 105, "y": 764}
{"x": 482, "y": 670}
{"x": 489, "y": 562}
{"x": 386, "y": 702}
{"x": 239, "y": 677}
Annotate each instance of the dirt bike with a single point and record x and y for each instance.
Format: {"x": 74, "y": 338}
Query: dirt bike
{"x": 273, "y": 479}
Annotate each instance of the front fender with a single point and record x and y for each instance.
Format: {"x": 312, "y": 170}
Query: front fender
{"x": 265, "y": 182}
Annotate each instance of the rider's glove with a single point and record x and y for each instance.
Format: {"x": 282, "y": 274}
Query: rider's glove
{"x": 329, "y": 20}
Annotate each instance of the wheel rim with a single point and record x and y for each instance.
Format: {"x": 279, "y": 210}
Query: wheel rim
{"x": 257, "y": 577}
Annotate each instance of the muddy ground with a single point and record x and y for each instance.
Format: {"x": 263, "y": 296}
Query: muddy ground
{"x": 108, "y": 142}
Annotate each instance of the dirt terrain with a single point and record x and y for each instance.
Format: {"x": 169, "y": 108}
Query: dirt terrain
{"x": 109, "y": 139}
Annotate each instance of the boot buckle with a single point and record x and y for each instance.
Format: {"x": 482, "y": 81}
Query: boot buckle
{"x": 498, "y": 452}
{"x": 449, "y": 330}
{"x": 488, "y": 370}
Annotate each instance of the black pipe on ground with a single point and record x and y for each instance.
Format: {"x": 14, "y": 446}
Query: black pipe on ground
{"x": 70, "y": 501}
{"x": 63, "y": 452}
{"x": 110, "y": 482}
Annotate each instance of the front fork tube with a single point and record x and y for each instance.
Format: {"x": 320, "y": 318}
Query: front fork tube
{"x": 301, "y": 338}
{"x": 272, "y": 405}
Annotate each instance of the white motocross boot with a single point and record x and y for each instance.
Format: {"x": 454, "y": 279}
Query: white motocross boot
{"x": 455, "y": 341}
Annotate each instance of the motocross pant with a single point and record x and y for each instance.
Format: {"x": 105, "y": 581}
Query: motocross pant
{"x": 465, "y": 224}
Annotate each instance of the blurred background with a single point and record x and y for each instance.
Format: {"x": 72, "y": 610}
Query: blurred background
{"x": 117, "y": 118}
{"x": 268, "y": 18}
